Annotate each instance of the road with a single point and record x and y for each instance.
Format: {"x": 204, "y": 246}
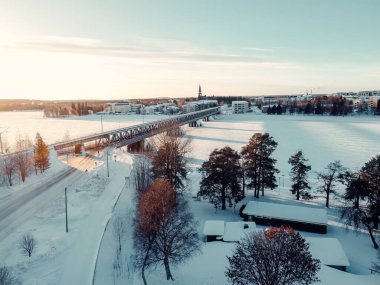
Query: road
{"x": 15, "y": 209}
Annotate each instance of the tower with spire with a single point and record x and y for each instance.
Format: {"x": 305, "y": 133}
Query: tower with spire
{"x": 200, "y": 96}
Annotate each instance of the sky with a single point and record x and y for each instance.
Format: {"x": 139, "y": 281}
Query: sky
{"x": 124, "y": 49}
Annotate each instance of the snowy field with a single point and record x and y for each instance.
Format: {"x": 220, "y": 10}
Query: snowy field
{"x": 71, "y": 258}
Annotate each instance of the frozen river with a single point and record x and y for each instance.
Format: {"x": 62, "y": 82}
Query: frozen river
{"x": 54, "y": 129}
{"x": 353, "y": 140}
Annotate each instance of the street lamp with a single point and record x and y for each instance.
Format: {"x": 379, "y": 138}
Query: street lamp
{"x": 108, "y": 172}
{"x": 283, "y": 180}
{"x": 67, "y": 225}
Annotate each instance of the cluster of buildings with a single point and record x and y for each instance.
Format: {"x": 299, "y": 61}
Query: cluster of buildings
{"x": 362, "y": 100}
{"x": 125, "y": 107}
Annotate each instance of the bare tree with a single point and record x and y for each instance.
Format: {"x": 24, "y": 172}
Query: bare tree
{"x": 176, "y": 239}
{"x": 27, "y": 244}
{"x": 23, "y": 157}
{"x": 272, "y": 257}
{"x": 7, "y": 277}
{"x": 333, "y": 173}
{"x": 154, "y": 204}
{"x": 119, "y": 231}
{"x": 169, "y": 161}
{"x": 8, "y": 166}
{"x": 142, "y": 174}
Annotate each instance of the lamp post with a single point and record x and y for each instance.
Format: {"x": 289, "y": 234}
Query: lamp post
{"x": 108, "y": 172}
{"x": 283, "y": 180}
{"x": 67, "y": 225}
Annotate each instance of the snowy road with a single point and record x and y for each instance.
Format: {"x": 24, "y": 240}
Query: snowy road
{"x": 17, "y": 208}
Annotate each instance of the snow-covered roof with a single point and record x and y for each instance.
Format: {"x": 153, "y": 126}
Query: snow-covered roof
{"x": 235, "y": 231}
{"x": 213, "y": 228}
{"x": 286, "y": 212}
{"x": 328, "y": 250}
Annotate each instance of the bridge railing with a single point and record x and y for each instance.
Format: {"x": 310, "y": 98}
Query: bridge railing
{"x": 177, "y": 120}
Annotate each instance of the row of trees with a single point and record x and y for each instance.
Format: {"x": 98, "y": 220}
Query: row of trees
{"x": 332, "y": 105}
{"x": 226, "y": 174}
{"x": 25, "y": 157}
{"x": 165, "y": 230}
{"x": 64, "y": 109}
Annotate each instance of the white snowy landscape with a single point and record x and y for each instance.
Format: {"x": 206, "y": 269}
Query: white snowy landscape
{"x": 86, "y": 254}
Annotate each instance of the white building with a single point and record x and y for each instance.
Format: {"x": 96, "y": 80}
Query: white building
{"x": 199, "y": 105}
{"x": 239, "y": 107}
{"x": 122, "y": 107}
{"x": 119, "y": 107}
{"x": 372, "y": 104}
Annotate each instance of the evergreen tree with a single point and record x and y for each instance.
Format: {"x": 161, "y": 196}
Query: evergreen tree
{"x": 41, "y": 154}
{"x": 371, "y": 171}
{"x": 220, "y": 177}
{"x": 357, "y": 209}
{"x": 299, "y": 174}
{"x": 258, "y": 163}
{"x": 308, "y": 108}
{"x": 279, "y": 109}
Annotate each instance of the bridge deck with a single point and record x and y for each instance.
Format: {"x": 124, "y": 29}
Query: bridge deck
{"x": 130, "y": 135}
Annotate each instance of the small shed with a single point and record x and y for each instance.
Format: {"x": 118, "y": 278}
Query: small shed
{"x": 235, "y": 231}
{"x": 300, "y": 218}
{"x": 329, "y": 251}
{"x": 213, "y": 230}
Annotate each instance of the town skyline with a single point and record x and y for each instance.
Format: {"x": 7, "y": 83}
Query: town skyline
{"x": 54, "y": 50}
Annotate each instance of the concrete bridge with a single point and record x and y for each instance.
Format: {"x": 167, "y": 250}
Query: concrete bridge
{"x": 135, "y": 135}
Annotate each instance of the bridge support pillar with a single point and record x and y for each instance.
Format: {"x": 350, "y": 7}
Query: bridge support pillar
{"x": 78, "y": 148}
{"x": 194, "y": 124}
{"x": 136, "y": 147}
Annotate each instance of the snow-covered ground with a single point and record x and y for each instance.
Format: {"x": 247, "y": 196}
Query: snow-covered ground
{"x": 70, "y": 258}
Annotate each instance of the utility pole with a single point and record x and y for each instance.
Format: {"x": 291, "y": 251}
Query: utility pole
{"x": 108, "y": 172}
{"x": 1, "y": 140}
{"x": 101, "y": 122}
{"x": 1, "y": 143}
{"x": 67, "y": 225}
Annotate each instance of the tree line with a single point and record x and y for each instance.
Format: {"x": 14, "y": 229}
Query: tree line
{"x": 320, "y": 105}
{"x": 65, "y": 109}
{"x": 24, "y": 158}
{"x": 226, "y": 174}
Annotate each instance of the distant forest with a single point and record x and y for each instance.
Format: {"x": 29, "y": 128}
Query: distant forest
{"x": 20, "y": 104}
{"x": 65, "y": 109}
{"x": 53, "y": 109}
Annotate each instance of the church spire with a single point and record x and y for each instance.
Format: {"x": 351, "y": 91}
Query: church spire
{"x": 199, "y": 92}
